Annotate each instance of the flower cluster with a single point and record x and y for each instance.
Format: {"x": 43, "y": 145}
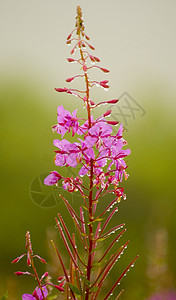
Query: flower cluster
{"x": 98, "y": 146}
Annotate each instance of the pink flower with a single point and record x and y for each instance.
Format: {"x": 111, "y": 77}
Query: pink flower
{"x": 37, "y": 294}
{"x": 52, "y": 178}
{"x": 66, "y": 121}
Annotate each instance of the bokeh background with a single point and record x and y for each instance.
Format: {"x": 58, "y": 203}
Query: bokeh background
{"x": 136, "y": 41}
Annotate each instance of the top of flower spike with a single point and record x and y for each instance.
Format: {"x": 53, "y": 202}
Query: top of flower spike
{"x": 79, "y": 21}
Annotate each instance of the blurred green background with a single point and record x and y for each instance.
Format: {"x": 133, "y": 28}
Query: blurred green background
{"x": 136, "y": 41}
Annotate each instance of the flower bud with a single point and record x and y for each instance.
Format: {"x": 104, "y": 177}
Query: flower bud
{"x": 113, "y": 101}
{"x": 68, "y": 42}
{"x": 69, "y": 79}
{"x": 17, "y": 259}
{"x": 112, "y": 122}
{"x": 69, "y": 36}
{"x": 91, "y": 47}
{"x": 28, "y": 262}
{"x": 84, "y": 68}
{"x": 92, "y": 103}
{"x": 61, "y": 90}
{"x": 104, "y": 70}
{"x": 41, "y": 259}
{"x": 104, "y": 81}
{"x": 104, "y": 85}
{"x": 60, "y": 278}
{"x": 96, "y": 59}
{"x": 70, "y": 59}
{"x": 19, "y": 273}
{"x": 107, "y": 113}
{"x": 59, "y": 288}
{"x": 87, "y": 37}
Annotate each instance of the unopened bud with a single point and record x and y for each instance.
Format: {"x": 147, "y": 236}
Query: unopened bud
{"x": 41, "y": 259}
{"x": 92, "y": 103}
{"x": 104, "y": 81}
{"x": 87, "y": 37}
{"x": 61, "y": 90}
{"x": 19, "y": 273}
{"x": 107, "y": 113}
{"x": 97, "y": 59}
{"x": 28, "y": 262}
{"x": 68, "y": 42}
{"x": 91, "y": 47}
{"x": 112, "y": 122}
{"x": 69, "y": 79}
{"x": 60, "y": 278}
{"x": 59, "y": 288}
{"x": 104, "y": 70}
{"x": 113, "y": 101}
{"x": 17, "y": 259}
{"x": 70, "y": 59}
{"x": 84, "y": 67}
{"x": 104, "y": 85}
{"x": 69, "y": 36}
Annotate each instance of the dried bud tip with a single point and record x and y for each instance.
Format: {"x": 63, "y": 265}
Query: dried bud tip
{"x": 113, "y": 101}
{"x": 112, "y": 122}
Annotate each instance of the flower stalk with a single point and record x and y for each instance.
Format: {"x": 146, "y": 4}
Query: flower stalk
{"x": 100, "y": 155}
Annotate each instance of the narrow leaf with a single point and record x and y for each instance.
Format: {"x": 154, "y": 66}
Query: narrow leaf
{"x": 74, "y": 289}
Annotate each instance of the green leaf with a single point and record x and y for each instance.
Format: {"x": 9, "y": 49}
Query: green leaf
{"x": 101, "y": 239}
{"x": 85, "y": 280}
{"x": 93, "y": 289}
{"x": 84, "y": 207}
{"x": 83, "y": 234}
{"x": 96, "y": 220}
{"x": 96, "y": 249}
{"x": 74, "y": 289}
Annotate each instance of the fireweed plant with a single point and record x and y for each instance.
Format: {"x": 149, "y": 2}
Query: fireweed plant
{"x": 99, "y": 154}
